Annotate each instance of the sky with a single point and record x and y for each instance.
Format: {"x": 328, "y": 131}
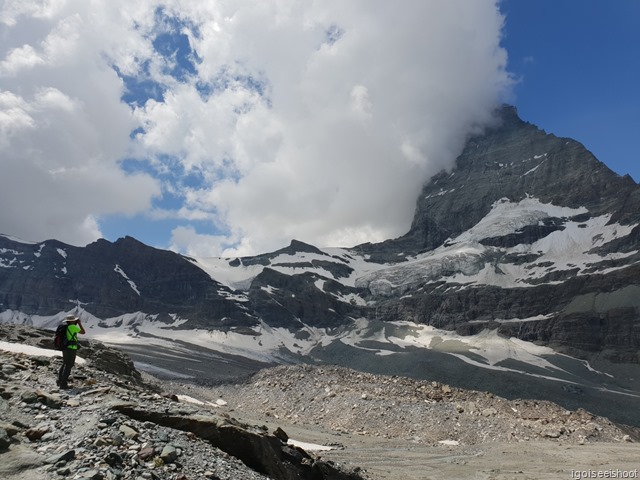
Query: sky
{"x": 228, "y": 128}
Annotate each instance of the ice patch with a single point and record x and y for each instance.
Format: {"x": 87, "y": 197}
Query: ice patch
{"x": 310, "y": 447}
{"x": 532, "y": 170}
{"x": 452, "y": 443}
{"x": 237, "y": 276}
{"x": 507, "y": 217}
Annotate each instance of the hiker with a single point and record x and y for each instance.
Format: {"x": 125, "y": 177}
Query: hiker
{"x": 74, "y": 327}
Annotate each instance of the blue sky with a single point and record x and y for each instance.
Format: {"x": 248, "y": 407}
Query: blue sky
{"x": 578, "y": 65}
{"x": 230, "y": 128}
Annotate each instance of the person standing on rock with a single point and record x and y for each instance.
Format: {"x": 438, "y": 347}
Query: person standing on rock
{"x": 74, "y": 327}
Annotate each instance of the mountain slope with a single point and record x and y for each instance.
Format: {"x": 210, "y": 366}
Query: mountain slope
{"x": 528, "y": 249}
{"x": 526, "y": 226}
{"x": 516, "y": 161}
{"x": 109, "y": 280}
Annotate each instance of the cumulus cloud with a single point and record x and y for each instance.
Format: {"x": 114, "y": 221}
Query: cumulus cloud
{"x": 63, "y": 129}
{"x": 267, "y": 120}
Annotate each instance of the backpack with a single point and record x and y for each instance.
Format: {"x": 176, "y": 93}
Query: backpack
{"x": 60, "y": 341}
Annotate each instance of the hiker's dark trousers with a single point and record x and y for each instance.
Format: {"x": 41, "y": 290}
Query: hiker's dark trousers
{"x": 68, "y": 361}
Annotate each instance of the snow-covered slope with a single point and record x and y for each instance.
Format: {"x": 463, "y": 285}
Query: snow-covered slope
{"x": 465, "y": 261}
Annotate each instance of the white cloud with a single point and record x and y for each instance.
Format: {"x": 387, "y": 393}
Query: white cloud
{"x": 12, "y": 10}
{"x": 188, "y": 241}
{"x": 311, "y": 120}
{"x": 19, "y": 58}
{"x": 63, "y": 129}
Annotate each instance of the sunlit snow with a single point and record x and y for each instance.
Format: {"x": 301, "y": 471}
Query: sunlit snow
{"x": 33, "y": 351}
{"x": 131, "y": 283}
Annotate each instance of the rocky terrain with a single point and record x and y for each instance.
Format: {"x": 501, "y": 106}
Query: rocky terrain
{"x": 118, "y": 426}
{"x": 345, "y": 401}
{"x": 396, "y": 428}
{"x": 118, "y": 423}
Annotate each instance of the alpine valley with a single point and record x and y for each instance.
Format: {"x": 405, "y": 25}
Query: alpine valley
{"x": 520, "y": 275}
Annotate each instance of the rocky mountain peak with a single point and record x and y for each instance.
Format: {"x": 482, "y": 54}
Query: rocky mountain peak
{"x": 516, "y": 160}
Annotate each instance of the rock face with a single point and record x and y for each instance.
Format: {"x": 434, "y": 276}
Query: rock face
{"x": 112, "y": 279}
{"x": 98, "y": 355}
{"x": 515, "y": 161}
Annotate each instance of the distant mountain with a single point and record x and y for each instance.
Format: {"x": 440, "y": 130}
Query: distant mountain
{"x": 527, "y": 250}
{"x": 530, "y": 234}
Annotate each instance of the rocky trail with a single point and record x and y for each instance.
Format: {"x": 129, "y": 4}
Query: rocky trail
{"x": 117, "y": 423}
{"x": 113, "y": 424}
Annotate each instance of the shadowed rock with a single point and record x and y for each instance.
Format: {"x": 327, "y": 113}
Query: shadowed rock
{"x": 265, "y": 453}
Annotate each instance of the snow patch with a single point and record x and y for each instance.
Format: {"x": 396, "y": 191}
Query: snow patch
{"x": 309, "y": 447}
{"x": 532, "y": 170}
{"x": 238, "y": 276}
{"x": 18, "y": 240}
{"x": 507, "y": 217}
{"x": 39, "y": 252}
{"x": 452, "y": 443}
{"x": 132, "y": 284}
{"x": 465, "y": 262}
{"x": 34, "y": 351}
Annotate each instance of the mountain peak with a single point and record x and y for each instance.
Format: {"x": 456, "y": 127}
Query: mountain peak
{"x": 515, "y": 160}
{"x": 297, "y": 246}
{"x": 508, "y": 115}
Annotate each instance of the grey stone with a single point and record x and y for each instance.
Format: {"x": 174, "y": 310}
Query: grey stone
{"x": 5, "y": 441}
{"x": 61, "y": 457}
{"x": 29, "y": 397}
{"x": 169, "y": 453}
{"x": 146, "y": 453}
{"x": 128, "y": 432}
{"x": 10, "y": 428}
{"x": 17, "y": 459}
{"x": 9, "y": 369}
{"x": 92, "y": 475}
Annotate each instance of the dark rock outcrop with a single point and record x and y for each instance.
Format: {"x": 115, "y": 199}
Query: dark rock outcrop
{"x": 259, "y": 450}
{"x": 111, "y": 279}
{"x": 97, "y": 354}
{"x": 294, "y": 301}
